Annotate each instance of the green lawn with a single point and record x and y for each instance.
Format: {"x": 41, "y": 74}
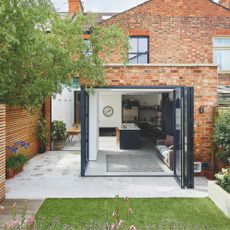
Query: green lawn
{"x": 146, "y": 212}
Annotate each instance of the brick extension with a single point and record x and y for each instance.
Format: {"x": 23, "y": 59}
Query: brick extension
{"x": 203, "y": 79}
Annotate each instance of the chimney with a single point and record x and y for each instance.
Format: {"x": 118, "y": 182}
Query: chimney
{"x": 75, "y": 6}
{"x": 225, "y": 3}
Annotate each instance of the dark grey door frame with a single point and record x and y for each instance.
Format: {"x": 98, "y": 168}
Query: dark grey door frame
{"x": 84, "y": 130}
{"x": 184, "y": 136}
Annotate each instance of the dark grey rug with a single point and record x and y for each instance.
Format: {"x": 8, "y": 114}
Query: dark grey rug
{"x": 132, "y": 163}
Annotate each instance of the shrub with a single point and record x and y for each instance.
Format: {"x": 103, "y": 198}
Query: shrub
{"x": 58, "y": 130}
{"x": 223, "y": 179}
{"x": 42, "y": 131}
{"x": 221, "y": 135}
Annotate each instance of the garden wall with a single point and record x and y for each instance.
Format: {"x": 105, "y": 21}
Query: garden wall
{"x": 2, "y": 151}
{"x": 21, "y": 125}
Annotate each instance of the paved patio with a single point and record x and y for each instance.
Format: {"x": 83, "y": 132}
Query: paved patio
{"x": 56, "y": 174}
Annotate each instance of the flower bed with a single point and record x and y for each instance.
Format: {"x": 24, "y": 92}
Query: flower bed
{"x": 219, "y": 191}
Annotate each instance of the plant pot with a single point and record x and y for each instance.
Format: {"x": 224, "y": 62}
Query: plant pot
{"x": 58, "y": 145}
{"x": 10, "y": 173}
{"x": 18, "y": 170}
{"x": 42, "y": 149}
{"x": 209, "y": 174}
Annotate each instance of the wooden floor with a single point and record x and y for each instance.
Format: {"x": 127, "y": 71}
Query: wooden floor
{"x": 6, "y": 214}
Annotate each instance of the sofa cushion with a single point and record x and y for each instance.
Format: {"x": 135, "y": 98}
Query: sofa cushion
{"x": 169, "y": 140}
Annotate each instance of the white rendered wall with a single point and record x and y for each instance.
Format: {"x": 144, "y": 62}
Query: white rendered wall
{"x": 63, "y": 107}
{"x": 93, "y": 126}
{"x": 115, "y": 101}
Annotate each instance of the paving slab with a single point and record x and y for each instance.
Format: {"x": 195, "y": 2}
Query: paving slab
{"x": 6, "y": 215}
{"x": 56, "y": 174}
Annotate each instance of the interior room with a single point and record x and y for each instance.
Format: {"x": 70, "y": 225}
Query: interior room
{"x": 66, "y": 108}
{"x": 135, "y": 133}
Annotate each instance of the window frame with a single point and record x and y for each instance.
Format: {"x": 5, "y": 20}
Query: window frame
{"x": 139, "y": 53}
{"x": 220, "y": 48}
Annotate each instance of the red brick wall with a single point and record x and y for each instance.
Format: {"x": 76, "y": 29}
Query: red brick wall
{"x": 224, "y": 79}
{"x": 225, "y": 3}
{"x": 203, "y": 79}
{"x": 21, "y": 125}
{"x": 2, "y": 151}
{"x": 180, "y": 31}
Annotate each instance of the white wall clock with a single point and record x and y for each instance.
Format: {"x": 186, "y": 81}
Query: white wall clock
{"x": 108, "y": 111}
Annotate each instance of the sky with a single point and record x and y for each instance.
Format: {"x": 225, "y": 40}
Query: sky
{"x": 100, "y": 5}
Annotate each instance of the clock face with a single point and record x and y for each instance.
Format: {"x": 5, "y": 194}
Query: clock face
{"x": 108, "y": 111}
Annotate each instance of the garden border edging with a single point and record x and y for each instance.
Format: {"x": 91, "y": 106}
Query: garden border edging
{"x": 220, "y": 197}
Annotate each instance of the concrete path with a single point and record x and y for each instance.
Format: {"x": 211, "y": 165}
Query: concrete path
{"x": 56, "y": 174}
{"x": 6, "y": 214}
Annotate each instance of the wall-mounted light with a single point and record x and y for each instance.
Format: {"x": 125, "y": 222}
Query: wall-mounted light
{"x": 201, "y": 109}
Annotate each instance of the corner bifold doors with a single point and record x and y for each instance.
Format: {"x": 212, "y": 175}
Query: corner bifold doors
{"x": 183, "y": 133}
{"x": 183, "y": 136}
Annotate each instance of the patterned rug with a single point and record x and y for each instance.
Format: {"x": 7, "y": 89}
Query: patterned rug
{"x": 132, "y": 163}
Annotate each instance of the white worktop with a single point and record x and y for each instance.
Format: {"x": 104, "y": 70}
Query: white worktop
{"x": 130, "y": 126}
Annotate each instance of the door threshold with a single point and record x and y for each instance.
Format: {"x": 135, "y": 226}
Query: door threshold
{"x": 101, "y": 175}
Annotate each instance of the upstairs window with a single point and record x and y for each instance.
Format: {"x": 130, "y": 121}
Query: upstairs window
{"x": 222, "y": 53}
{"x": 139, "y": 50}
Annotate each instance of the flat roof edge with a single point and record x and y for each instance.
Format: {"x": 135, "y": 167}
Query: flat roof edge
{"x": 162, "y": 65}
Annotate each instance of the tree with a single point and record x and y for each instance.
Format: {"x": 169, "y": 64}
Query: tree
{"x": 39, "y": 51}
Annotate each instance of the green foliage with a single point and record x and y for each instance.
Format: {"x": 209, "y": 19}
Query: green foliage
{"x": 10, "y": 162}
{"x": 16, "y": 161}
{"x": 42, "y": 131}
{"x": 21, "y": 159}
{"x": 58, "y": 130}
{"x": 221, "y": 134}
{"x": 146, "y": 213}
{"x": 35, "y": 63}
{"x": 223, "y": 179}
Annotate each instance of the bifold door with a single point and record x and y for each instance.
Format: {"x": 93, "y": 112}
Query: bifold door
{"x": 84, "y": 130}
{"x": 183, "y": 136}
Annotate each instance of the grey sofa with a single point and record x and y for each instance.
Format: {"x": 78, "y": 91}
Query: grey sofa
{"x": 165, "y": 151}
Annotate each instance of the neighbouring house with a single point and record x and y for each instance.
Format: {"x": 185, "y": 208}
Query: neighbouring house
{"x": 133, "y": 126}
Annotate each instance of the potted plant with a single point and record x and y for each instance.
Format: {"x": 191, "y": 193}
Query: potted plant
{"x": 20, "y": 161}
{"x": 58, "y": 134}
{"x": 16, "y": 160}
{"x": 10, "y": 162}
{"x": 42, "y": 134}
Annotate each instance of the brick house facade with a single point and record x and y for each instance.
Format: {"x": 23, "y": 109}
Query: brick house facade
{"x": 180, "y": 54}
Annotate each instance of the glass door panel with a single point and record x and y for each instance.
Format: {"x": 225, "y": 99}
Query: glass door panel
{"x": 178, "y": 136}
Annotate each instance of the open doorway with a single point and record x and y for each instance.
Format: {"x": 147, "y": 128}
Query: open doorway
{"x": 134, "y": 131}
{"x": 135, "y": 134}
{"x": 66, "y": 108}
